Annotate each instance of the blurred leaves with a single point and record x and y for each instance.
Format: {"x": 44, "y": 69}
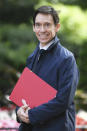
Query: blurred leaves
{"x": 15, "y": 46}
{"x": 82, "y": 4}
{"x": 16, "y": 34}
{"x": 81, "y": 100}
{"x": 73, "y": 24}
{"x": 16, "y": 11}
{"x": 17, "y": 40}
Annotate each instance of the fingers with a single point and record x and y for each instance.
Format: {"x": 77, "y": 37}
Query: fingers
{"x": 25, "y": 106}
{"x": 23, "y": 112}
{"x": 24, "y": 102}
{"x": 22, "y": 115}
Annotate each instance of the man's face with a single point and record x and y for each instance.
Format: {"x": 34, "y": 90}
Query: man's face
{"x": 44, "y": 28}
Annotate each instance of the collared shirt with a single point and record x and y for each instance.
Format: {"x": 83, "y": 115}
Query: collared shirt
{"x": 46, "y": 46}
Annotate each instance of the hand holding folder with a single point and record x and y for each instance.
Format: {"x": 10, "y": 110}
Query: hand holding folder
{"x": 33, "y": 89}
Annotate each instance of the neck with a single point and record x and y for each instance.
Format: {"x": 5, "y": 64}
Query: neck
{"x": 45, "y": 46}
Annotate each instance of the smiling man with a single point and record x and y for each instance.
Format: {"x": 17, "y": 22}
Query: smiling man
{"x": 57, "y": 66}
{"x": 45, "y": 28}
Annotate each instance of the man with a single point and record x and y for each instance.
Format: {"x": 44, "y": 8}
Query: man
{"x": 57, "y": 66}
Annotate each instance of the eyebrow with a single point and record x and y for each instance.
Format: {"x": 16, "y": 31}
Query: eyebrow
{"x": 45, "y": 22}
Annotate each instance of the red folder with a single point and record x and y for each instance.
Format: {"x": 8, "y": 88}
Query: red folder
{"x": 33, "y": 89}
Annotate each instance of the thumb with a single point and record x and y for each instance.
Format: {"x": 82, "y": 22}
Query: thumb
{"x": 25, "y": 106}
{"x": 24, "y": 102}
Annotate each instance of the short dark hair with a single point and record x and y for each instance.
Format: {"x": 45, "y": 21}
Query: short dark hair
{"x": 47, "y": 10}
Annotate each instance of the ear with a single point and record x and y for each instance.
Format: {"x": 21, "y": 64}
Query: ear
{"x": 57, "y": 27}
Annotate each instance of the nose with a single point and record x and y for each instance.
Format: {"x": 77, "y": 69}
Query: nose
{"x": 42, "y": 29}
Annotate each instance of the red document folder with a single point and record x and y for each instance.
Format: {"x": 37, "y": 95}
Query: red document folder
{"x": 33, "y": 89}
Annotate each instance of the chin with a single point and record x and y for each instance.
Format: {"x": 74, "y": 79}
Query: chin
{"x": 44, "y": 41}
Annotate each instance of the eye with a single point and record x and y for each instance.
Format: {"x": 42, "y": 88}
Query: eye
{"x": 37, "y": 25}
{"x": 47, "y": 24}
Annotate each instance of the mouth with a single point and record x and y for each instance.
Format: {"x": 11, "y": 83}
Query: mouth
{"x": 43, "y": 36}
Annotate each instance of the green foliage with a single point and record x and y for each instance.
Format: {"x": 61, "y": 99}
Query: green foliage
{"x": 21, "y": 34}
{"x": 16, "y": 11}
{"x": 73, "y": 25}
{"x": 83, "y": 67}
{"x": 15, "y": 46}
{"x": 81, "y": 100}
{"x": 81, "y": 3}
{"x": 17, "y": 41}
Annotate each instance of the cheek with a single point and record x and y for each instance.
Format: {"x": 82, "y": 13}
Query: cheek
{"x": 53, "y": 33}
{"x": 36, "y": 33}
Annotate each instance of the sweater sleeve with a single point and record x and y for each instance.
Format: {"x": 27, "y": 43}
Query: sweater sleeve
{"x": 67, "y": 83}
